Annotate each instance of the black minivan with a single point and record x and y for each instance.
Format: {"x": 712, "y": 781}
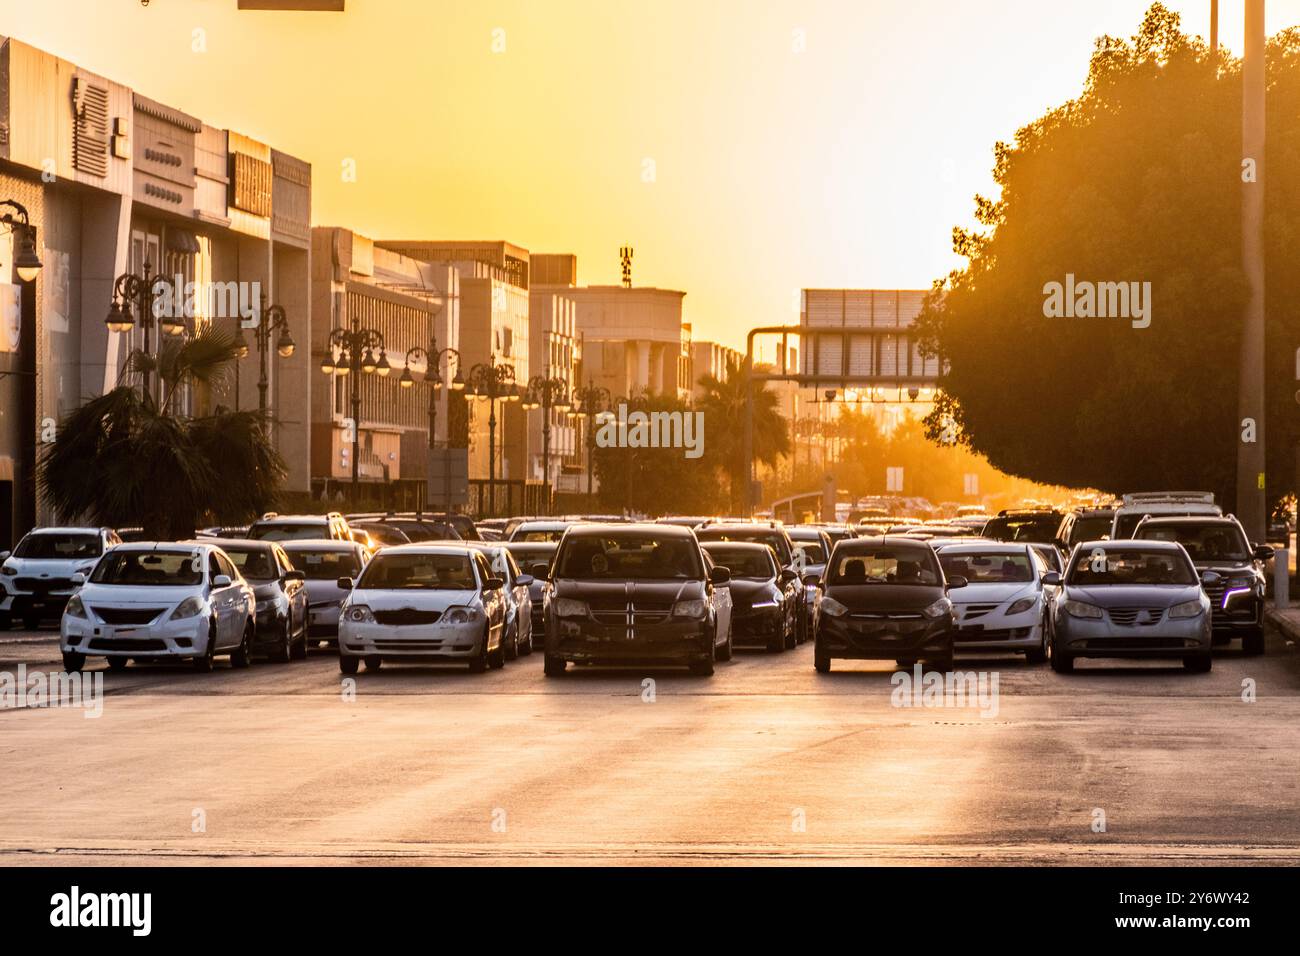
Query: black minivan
{"x": 883, "y": 598}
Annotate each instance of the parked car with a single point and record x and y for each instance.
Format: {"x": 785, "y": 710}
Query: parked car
{"x": 884, "y": 599}
{"x": 634, "y": 594}
{"x": 36, "y": 578}
{"x": 534, "y": 559}
{"x": 1004, "y": 605}
{"x": 424, "y": 602}
{"x": 1218, "y": 547}
{"x": 159, "y": 600}
{"x": 1155, "y": 504}
{"x": 764, "y": 597}
{"x": 277, "y": 527}
{"x": 322, "y": 563}
{"x": 518, "y": 595}
{"x": 1132, "y": 599}
{"x": 280, "y": 593}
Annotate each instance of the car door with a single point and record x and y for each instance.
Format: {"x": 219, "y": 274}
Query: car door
{"x": 722, "y": 603}
{"x": 295, "y": 592}
{"x": 223, "y": 602}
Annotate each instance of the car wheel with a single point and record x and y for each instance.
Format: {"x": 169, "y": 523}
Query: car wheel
{"x": 31, "y": 622}
{"x": 300, "y": 646}
{"x": 73, "y": 662}
{"x": 553, "y": 666}
{"x": 511, "y": 647}
{"x": 203, "y": 664}
{"x": 1036, "y": 655}
{"x": 1062, "y": 662}
{"x": 821, "y": 660}
{"x": 526, "y": 647}
{"x": 374, "y": 662}
{"x": 283, "y": 651}
{"x": 725, "y": 653}
{"x": 242, "y": 656}
{"x": 704, "y": 668}
{"x": 117, "y": 663}
{"x": 942, "y": 664}
{"x": 795, "y": 636}
{"x": 479, "y": 662}
{"x": 6, "y": 621}
{"x": 1198, "y": 663}
{"x": 349, "y": 665}
{"x": 497, "y": 658}
{"x": 1252, "y": 642}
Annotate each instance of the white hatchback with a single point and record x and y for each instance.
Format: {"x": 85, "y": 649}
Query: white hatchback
{"x": 155, "y": 601}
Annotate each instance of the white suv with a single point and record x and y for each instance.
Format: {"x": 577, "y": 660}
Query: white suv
{"x": 1160, "y": 504}
{"x": 36, "y": 577}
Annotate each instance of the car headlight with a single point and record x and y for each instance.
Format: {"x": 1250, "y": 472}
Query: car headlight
{"x": 8, "y": 570}
{"x": 359, "y": 614}
{"x": 939, "y": 608}
{"x": 1021, "y": 606}
{"x": 833, "y": 607}
{"x": 694, "y": 609}
{"x": 1185, "y": 610}
{"x": 460, "y": 615}
{"x": 1079, "y": 609}
{"x": 75, "y": 608}
{"x": 759, "y": 605}
{"x": 190, "y": 607}
{"x": 568, "y": 607}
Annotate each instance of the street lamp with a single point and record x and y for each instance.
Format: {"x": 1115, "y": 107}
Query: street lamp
{"x": 546, "y": 394}
{"x": 432, "y": 377}
{"x": 141, "y": 291}
{"x": 356, "y": 354}
{"x": 494, "y": 383}
{"x": 273, "y": 318}
{"x": 589, "y": 402}
{"x": 26, "y": 262}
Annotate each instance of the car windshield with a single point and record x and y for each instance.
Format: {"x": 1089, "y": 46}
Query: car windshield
{"x": 1023, "y": 528}
{"x": 418, "y": 531}
{"x": 1090, "y": 528}
{"x": 743, "y": 562}
{"x": 774, "y": 540}
{"x": 1104, "y": 566}
{"x": 813, "y": 552}
{"x": 629, "y": 557}
{"x": 384, "y": 534}
{"x": 988, "y": 567}
{"x": 55, "y": 545}
{"x": 885, "y": 565}
{"x": 539, "y": 534}
{"x": 419, "y": 572}
{"x": 253, "y": 565}
{"x": 288, "y": 532}
{"x": 318, "y": 565}
{"x": 1204, "y": 542}
{"x": 150, "y": 568}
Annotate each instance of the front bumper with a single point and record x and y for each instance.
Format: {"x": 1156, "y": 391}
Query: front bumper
{"x": 884, "y": 638}
{"x": 1085, "y": 637}
{"x": 323, "y": 622}
{"x": 452, "y": 642}
{"x": 756, "y": 623}
{"x": 166, "y": 639}
{"x": 586, "y": 641}
{"x": 1001, "y": 633}
{"x": 50, "y": 603}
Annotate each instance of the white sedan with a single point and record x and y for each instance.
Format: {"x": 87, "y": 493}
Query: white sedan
{"x": 1004, "y": 604}
{"x": 158, "y": 601}
{"x": 424, "y": 602}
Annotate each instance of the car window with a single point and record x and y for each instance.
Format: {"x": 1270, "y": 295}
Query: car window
{"x": 1220, "y": 541}
{"x": 1089, "y": 528}
{"x": 1023, "y": 527}
{"x": 885, "y": 565}
{"x": 1131, "y": 566}
{"x": 775, "y": 540}
{"x": 287, "y": 531}
{"x": 754, "y": 564}
{"x": 256, "y": 565}
{"x": 55, "y": 545}
{"x": 321, "y": 565}
{"x": 419, "y": 572}
{"x": 147, "y": 568}
{"x": 813, "y": 552}
{"x": 629, "y": 556}
{"x": 988, "y": 567}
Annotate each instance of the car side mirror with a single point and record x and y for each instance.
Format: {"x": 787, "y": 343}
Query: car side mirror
{"x": 221, "y": 581}
{"x": 1211, "y": 577}
{"x": 787, "y": 575}
{"x": 1052, "y": 579}
{"x": 295, "y": 576}
{"x": 524, "y": 580}
{"x": 5, "y": 555}
{"x": 812, "y": 580}
{"x": 344, "y": 584}
{"x": 494, "y": 584}
{"x": 1263, "y": 552}
{"x": 77, "y": 578}
{"x": 720, "y": 576}
{"x": 956, "y": 581}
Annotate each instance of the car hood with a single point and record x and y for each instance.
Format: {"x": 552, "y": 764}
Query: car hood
{"x": 991, "y": 593}
{"x": 113, "y": 595}
{"x": 1139, "y": 595}
{"x": 746, "y": 589}
{"x": 49, "y": 567}
{"x": 869, "y": 598}
{"x": 418, "y": 600}
{"x": 324, "y": 592}
{"x": 1226, "y": 567}
{"x": 629, "y": 590}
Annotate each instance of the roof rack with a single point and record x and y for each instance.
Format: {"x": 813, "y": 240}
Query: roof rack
{"x": 1139, "y": 498}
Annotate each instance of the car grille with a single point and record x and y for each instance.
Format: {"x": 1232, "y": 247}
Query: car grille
{"x": 1139, "y": 643}
{"x": 127, "y": 615}
{"x": 127, "y": 644}
{"x": 614, "y": 612}
{"x": 407, "y": 617}
{"x": 1136, "y": 616}
{"x": 409, "y": 646}
{"x": 970, "y": 612}
{"x": 44, "y": 584}
{"x": 992, "y": 634}
{"x": 1219, "y": 614}
{"x": 322, "y": 630}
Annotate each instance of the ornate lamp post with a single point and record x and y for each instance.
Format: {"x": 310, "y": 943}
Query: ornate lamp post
{"x": 493, "y": 382}
{"x": 356, "y": 348}
{"x": 26, "y": 262}
{"x": 273, "y": 318}
{"x": 546, "y": 394}
{"x": 432, "y": 377}
{"x": 141, "y": 291}
{"x": 589, "y": 402}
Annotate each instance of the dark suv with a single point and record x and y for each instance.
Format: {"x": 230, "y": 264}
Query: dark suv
{"x": 1025, "y": 526}
{"x": 1085, "y": 524}
{"x": 1231, "y": 569}
{"x": 774, "y": 536}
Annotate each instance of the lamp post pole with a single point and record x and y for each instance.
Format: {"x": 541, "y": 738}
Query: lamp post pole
{"x": 433, "y": 357}
{"x": 547, "y": 394}
{"x": 492, "y": 381}
{"x": 589, "y": 402}
{"x": 356, "y": 348}
{"x": 273, "y": 319}
{"x": 141, "y": 292}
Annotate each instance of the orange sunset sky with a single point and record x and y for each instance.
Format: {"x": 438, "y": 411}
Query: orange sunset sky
{"x": 817, "y": 143}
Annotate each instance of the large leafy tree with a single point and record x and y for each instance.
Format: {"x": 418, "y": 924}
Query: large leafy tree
{"x": 126, "y": 459}
{"x": 723, "y": 404}
{"x": 1139, "y": 179}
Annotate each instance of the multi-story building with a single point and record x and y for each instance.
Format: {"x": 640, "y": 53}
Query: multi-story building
{"x": 412, "y": 305}
{"x": 634, "y": 341}
{"x": 711, "y": 359}
{"x": 555, "y": 351}
{"x": 113, "y": 181}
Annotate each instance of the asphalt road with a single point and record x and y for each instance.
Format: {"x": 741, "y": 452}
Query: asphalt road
{"x": 766, "y": 762}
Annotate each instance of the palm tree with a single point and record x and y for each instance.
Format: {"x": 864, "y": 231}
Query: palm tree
{"x": 124, "y": 459}
{"x": 723, "y": 404}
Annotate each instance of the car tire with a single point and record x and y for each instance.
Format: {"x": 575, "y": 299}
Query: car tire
{"x": 526, "y": 648}
{"x": 242, "y": 656}
{"x": 6, "y": 621}
{"x": 117, "y": 663}
{"x": 1037, "y": 655}
{"x": 942, "y": 664}
{"x": 821, "y": 660}
{"x": 1198, "y": 663}
{"x": 1252, "y": 642}
{"x": 553, "y": 666}
{"x": 511, "y": 647}
{"x": 479, "y": 662}
{"x": 725, "y": 654}
{"x": 349, "y": 665}
{"x": 73, "y": 662}
{"x": 374, "y": 662}
{"x": 704, "y": 668}
{"x": 31, "y": 622}
{"x": 282, "y": 653}
{"x": 203, "y": 664}
{"x": 1062, "y": 662}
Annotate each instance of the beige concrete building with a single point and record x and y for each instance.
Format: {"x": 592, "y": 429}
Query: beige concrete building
{"x": 633, "y": 340}
{"x": 711, "y": 358}
{"x": 556, "y": 352}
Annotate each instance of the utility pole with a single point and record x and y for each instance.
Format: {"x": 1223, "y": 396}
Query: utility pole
{"x": 1214, "y": 28}
{"x": 1250, "y": 387}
